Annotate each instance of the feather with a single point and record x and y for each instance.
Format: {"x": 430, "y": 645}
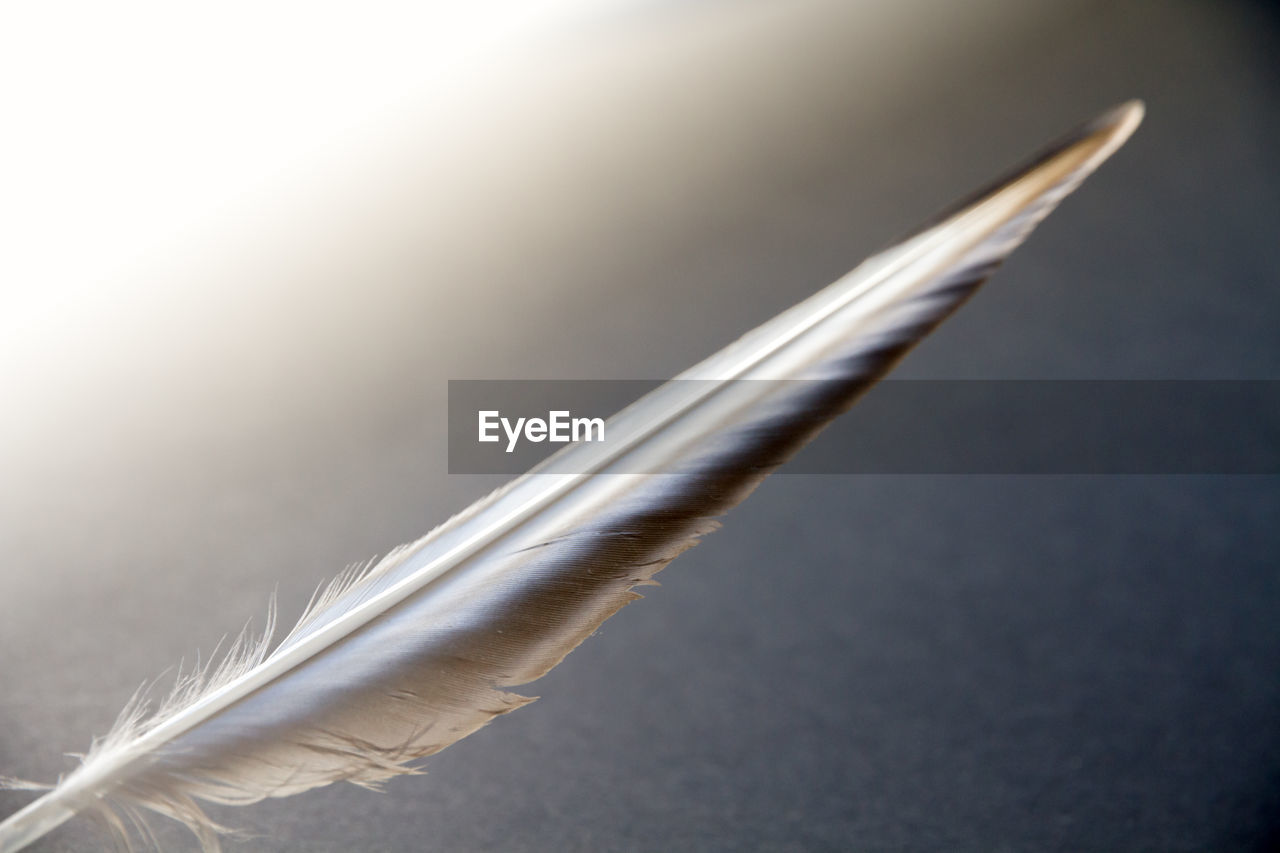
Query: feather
{"x": 394, "y": 662}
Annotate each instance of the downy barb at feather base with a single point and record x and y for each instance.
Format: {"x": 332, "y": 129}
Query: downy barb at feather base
{"x": 393, "y": 663}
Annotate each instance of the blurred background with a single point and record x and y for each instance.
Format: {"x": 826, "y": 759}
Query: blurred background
{"x": 245, "y": 246}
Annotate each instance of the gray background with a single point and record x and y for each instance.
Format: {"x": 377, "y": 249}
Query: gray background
{"x": 854, "y": 662}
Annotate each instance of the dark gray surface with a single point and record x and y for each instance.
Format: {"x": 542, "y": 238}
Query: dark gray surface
{"x": 926, "y": 662}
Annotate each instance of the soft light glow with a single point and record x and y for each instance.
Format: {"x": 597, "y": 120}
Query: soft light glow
{"x": 130, "y": 125}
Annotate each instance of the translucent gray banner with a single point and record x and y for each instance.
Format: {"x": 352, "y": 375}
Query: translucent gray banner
{"x": 922, "y": 426}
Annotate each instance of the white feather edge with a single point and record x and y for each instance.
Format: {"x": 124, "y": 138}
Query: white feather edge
{"x": 547, "y": 558}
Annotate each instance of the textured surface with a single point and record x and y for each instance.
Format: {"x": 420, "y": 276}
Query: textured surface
{"x": 868, "y": 662}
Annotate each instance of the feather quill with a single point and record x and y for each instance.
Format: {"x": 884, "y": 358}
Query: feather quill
{"x": 394, "y": 662}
